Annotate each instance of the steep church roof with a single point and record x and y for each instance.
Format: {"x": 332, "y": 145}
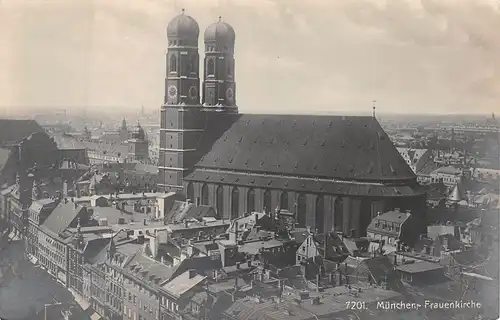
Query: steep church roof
{"x": 330, "y": 147}
{"x": 13, "y": 131}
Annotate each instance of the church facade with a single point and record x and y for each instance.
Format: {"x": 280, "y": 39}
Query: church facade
{"x": 332, "y": 172}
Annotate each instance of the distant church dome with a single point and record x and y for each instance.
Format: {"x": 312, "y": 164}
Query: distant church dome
{"x": 138, "y": 132}
{"x": 220, "y": 32}
{"x": 183, "y": 27}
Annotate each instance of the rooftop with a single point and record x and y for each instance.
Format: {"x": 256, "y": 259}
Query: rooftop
{"x": 340, "y": 147}
{"x": 419, "y": 267}
{"x": 183, "y": 283}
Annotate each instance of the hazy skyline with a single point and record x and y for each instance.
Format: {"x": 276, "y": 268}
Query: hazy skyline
{"x": 412, "y": 56}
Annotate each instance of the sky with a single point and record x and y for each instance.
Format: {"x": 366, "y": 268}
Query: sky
{"x": 292, "y": 56}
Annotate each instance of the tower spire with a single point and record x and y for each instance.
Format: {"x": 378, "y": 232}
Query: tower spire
{"x": 374, "y": 107}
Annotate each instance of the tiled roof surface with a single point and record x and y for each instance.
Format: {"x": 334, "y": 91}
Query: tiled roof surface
{"x": 305, "y": 184}
{"x": 147, "y": 269}
{"x": 351, "y": 148}
{"x": 4, "y": 157}
{"x": 12, "y": 131}
{"x": 183, "y": 283}
{"x": 182, "y": 210}
{"x": 62, "y": 216}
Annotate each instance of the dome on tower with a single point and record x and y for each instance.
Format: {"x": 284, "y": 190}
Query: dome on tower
{"x": 184, "y": 27}
{"x": 138, "y": 132}
{"x": 220, "y": 32}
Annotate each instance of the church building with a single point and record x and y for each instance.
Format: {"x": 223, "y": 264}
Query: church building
{"x": 332, "y": 172}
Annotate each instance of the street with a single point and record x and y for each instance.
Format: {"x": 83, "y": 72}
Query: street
{"x": 24, "y": 288}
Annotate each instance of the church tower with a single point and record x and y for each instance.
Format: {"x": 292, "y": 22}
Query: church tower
{"x": 182, "y": 119}
{"x": 138, "y": 145}
{"x": 219, "y": 88}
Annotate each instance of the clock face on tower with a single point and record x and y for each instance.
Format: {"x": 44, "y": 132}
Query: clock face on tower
{"x": 229, "y": 94}
{"x": 172, "y": 91}
{"x": 193, "y": 92}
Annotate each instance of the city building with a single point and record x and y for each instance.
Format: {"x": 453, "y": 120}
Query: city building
{"x": 450, "y": 176}
{"x": 39, "y": 211}
{"x": 394, "y": 226}
{"x": 53, "y": 238}
{"x": 329, "y": 247}
{"x": 333, "y": 171}
{"x": 138, "y": 145}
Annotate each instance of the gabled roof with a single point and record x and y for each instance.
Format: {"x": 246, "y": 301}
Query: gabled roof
{"x": 182, "y": 210}
{"x": 335, "y": 248}
{"x": 13, "y": 131}
{"x": 183, "y": 283}
{"x": 347, "y": 148}
{"x": 62, "y": 216}
{"x": 381, "y": 269}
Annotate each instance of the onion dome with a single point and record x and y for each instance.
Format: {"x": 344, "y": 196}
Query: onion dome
{"x": 220, "y": 32}
{"x": 183, "y": 27}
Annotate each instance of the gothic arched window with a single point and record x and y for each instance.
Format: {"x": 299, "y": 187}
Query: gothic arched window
{"x": 190, "y": 191}
{"x": 204, "y": 195}
{"x": 235, "y": 203}
{"x": 250, "y": 201}
{"x": 192, "y": 64}
{"x": 320, "y": 214}
{"x": 301, "y": 210}
{"x": 338, "y": 212}
{"x": 173, "y": 63}
{"x": 219, "y": 202}
{"x": 284, "y": 200}
{"x": 210, "y": 67}
{"x": 267, "y": 201}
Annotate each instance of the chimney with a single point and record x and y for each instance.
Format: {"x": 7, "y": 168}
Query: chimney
{"x": 249, "y": 262}
{"x": 153, "y": 245}
{"x": 190, "y": 248}
{"x": 236, "y": 283}
{"x": 256, "y": 217}
{"x": 186, "y": 224}
{"x": 238, "y": 265}
{"x": 192, "y": 273}
{"x": 145, "y": 222}
{"x": 233, "y": 236}
{"x": 140, "y": 239}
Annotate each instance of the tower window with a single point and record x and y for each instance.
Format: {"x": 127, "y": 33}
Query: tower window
{"x": 210, "y": 67}
{"x": 173, "y": 63}
{"x": 192, "y": 64}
